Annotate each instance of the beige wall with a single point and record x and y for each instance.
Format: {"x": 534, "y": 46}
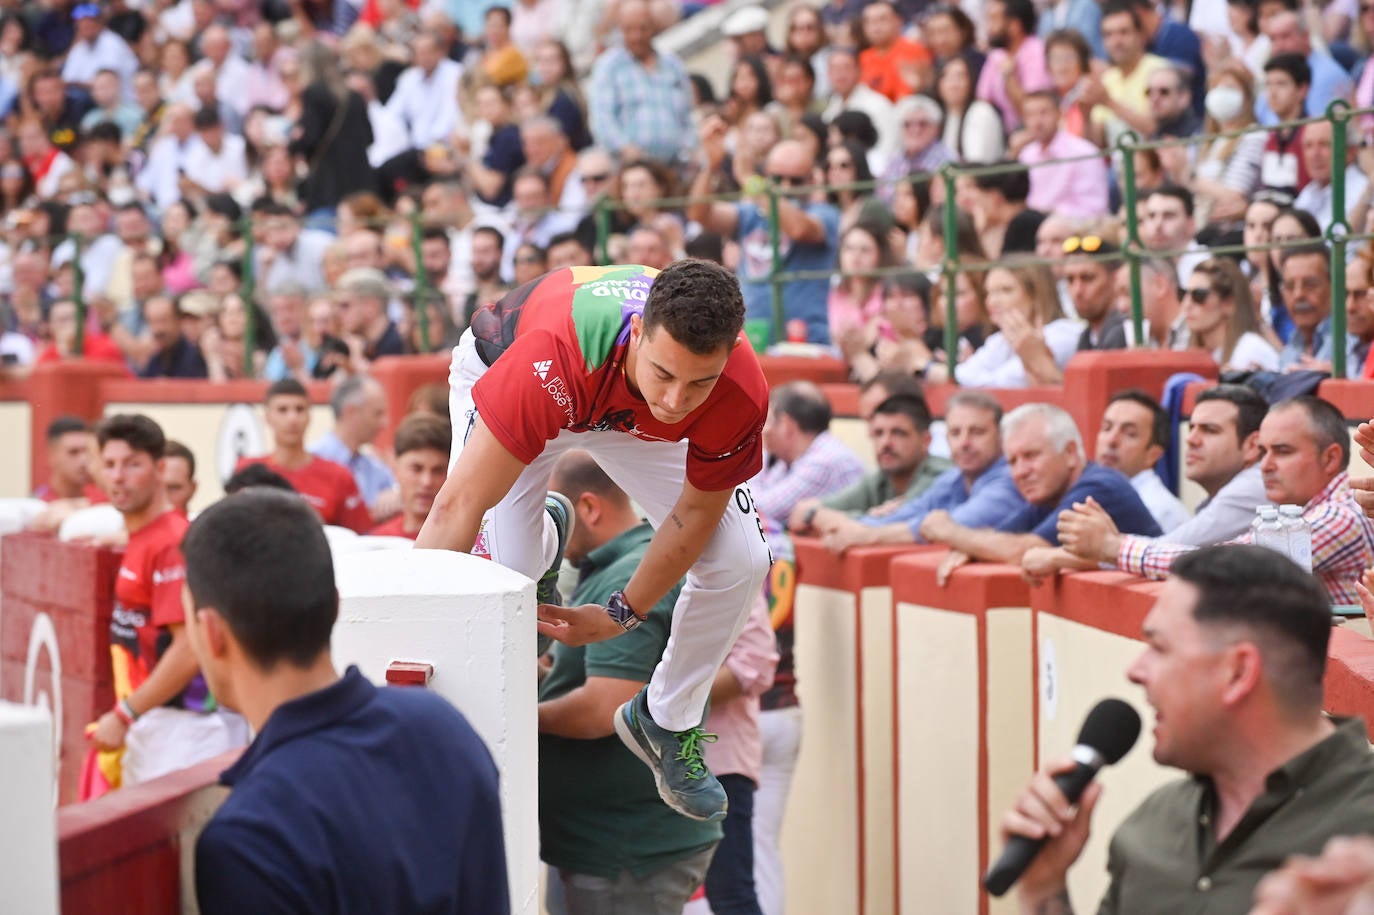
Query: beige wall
{"x": 938, "y": 752}
{"x": 875, "y": 608}
{"x": 1010, "y": 727}
{"x": 16, "y": 452}
{"x": 1088, "y": 665}
{"x": 217, "y": 433}
{"x": 821, "y": 826}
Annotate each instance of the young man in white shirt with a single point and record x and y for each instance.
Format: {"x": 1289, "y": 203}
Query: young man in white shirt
{"x": 1133, "y": 437}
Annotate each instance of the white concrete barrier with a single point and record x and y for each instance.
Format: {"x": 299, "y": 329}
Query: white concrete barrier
{"x": 473, "y": 620}
{"x": 95, "y": 521}
{"x": 28, "y": 827}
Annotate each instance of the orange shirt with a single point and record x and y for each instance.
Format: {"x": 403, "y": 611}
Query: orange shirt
{"x": 882, "y": 70}
{"x": 328, "y": 487}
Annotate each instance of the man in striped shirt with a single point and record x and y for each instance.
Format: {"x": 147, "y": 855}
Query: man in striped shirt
{"x": 1305, "y": 449}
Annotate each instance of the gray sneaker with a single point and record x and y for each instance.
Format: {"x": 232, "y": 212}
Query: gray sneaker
{"x": 546, "y": 591}
{"x": 675, "y": 757}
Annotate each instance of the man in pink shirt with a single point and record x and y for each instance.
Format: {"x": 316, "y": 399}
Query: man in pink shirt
{"x": 1075, "y": 189}
{"x": 1016, "y": 64}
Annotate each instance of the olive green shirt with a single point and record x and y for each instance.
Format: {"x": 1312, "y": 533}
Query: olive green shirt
{"x": 599, "y": 810}
{"x": 875, "y": 488}
{"x": 1165, "y": 858}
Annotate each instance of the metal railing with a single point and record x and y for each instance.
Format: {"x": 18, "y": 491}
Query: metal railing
{"x": 1337, "y": 235}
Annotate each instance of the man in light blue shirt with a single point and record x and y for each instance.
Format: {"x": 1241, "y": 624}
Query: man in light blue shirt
{"x": 359, "y": 406}
{"x": 977, "y": 492}
{"x": 1329, "y": 79}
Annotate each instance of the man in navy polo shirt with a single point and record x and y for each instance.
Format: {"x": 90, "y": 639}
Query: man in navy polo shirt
{"x": 352, "y": 798}
{"x": 1051, "y": 471}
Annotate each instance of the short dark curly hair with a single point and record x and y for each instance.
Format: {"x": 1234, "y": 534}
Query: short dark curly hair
{"x": 698, "y": 303}
{"x": 134, "y": 429}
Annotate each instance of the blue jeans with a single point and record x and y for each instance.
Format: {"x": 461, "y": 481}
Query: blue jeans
{"x": 730, "y": 880}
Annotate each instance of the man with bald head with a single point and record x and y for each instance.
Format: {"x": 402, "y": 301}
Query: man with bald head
{"x": 640, "y": 103}
{"x": 809, "y": 231}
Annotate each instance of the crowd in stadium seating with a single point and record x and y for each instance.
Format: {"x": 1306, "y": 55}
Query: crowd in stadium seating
{"x": 144, "y": 144}
{"x": 290, "y": 191}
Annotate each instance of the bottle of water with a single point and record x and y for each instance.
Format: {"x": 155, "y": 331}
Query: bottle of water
{"x": 1299, "y": 535}
{"x": 1268, "y": 531}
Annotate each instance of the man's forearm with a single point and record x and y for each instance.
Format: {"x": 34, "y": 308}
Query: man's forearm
{"x": 676, "y": 545}
{"x": 1058, "y": 904}
{"x": 989, "y": 545}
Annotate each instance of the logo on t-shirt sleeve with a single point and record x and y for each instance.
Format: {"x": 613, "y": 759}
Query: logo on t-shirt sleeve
{"x": 541, "y": 368}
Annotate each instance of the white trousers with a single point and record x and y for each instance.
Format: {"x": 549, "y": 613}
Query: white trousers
{"x": 780, "y": 731}
{"x": 165, "y": 740}
{"x": 714, "y": 603}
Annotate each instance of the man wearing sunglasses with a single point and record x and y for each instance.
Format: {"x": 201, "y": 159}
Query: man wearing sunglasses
{"x": 1090, "y": 274}
{"x": 809, "y": 232}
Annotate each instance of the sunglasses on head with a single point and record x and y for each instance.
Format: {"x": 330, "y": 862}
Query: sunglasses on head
{"x": 1088, "y": 244}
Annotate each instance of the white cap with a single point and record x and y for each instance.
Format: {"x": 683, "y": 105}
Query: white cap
{"x": 744, "y": 20}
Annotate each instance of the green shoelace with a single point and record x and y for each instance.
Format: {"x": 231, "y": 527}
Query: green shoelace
{"x": 690, "y": 747}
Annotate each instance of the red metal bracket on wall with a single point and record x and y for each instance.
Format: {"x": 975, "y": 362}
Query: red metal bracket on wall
{"x": 409, "y": 673}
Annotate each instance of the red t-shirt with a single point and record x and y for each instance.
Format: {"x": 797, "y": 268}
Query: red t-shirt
{"x": 328, "y": 487}
{"x": 96, "y": 346}
{"x": 556, "y": 350}
{"x": 882, "y": 70}
{"x": 393, "y": 527}
{"x": 147, "y": 600}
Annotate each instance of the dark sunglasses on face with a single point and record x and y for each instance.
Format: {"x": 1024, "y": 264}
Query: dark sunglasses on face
{"x": 789, "y": 180}
{"x": 1199, "y": 296}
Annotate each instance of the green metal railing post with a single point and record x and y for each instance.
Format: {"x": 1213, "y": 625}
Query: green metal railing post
{"x": 775, "y": 264}
{"x": 1125, "y": 144}
{"x": 421, "y": 296}
{"x": 248, "y": 288}
{"x": 949, "y": 266}
{"x": 603, "y": 230}
{"x": 1338, "y": 113}
{"x": 78, "y": 297}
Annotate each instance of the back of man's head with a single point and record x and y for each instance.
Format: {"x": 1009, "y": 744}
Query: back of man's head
{"x": 239, "y": 545}
{"x": 698, "y": 303}
{"x": 257, "y": 476}
{"x": 1251, "y": 408}
{"x": 805, "y": 404}
{"x": 1246, "y": 593}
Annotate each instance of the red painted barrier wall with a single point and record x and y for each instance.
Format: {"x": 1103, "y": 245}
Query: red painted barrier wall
{"x": 122, "y": 853}
{"x": 71, "y": 588}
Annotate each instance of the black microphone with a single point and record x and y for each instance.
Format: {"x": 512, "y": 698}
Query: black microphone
{"x": 1108, "y": 734}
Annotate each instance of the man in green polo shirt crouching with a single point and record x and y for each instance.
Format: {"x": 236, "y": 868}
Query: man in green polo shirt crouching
{"x": 612, "y": 846}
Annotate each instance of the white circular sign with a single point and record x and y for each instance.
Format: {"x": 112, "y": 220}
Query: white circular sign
{"x": 1049, "y": 680}
{"x": 240, "y": 435}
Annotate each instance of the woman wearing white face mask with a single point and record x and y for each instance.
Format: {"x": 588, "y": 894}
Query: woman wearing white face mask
{"x": 1228, "y": 173}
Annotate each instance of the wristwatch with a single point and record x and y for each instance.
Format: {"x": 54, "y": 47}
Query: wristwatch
{"x": 619, "y": 609}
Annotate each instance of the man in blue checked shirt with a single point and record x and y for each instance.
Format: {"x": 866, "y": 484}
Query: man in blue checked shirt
{"x": 977, "y": 492}
{"x": 359, "y": 406}
{"x": 640, "y": 104}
